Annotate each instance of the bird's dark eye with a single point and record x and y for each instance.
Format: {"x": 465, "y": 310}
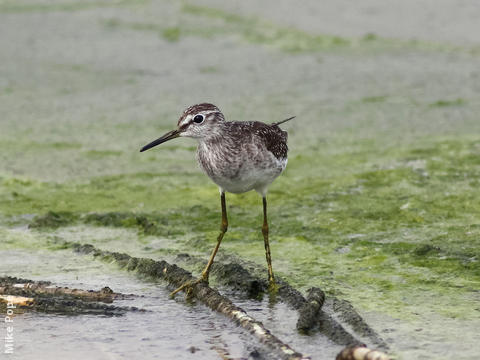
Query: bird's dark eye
{"x": 198, "y": 119}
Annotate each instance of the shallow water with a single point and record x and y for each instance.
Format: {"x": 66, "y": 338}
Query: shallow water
{"x": 170, "y": 328}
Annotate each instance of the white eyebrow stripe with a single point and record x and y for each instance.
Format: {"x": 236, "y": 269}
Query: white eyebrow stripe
{"x": 208, "y": 112}
{"x": 186, "y": 120}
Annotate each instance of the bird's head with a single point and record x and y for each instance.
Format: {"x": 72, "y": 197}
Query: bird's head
{"x": 198, "y": 121}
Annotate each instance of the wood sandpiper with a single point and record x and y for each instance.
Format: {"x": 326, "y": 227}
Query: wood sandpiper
{"x": 238, "y": 156}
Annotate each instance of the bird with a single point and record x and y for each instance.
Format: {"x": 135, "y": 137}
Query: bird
{"x": 238, "y": 156}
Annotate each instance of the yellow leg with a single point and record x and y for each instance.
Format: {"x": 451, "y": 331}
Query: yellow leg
{"x": 271, "y": 278}
{"x": 223, "y": 230}
{"x": 206, "y": 271}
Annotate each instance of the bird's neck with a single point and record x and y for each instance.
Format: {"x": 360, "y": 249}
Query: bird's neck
{"x": 217, "y": 134}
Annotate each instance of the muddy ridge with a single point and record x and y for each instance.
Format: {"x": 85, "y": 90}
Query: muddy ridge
{"x": 317, "y": 312}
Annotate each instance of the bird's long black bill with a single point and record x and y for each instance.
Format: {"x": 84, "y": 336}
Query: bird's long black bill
{"x": 168, "y": 136}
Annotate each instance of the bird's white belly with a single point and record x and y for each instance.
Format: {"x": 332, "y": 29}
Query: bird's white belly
{"x": 240, "y": 169}
{"x": 251, "y": 178}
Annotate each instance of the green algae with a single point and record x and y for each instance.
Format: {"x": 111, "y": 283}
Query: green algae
{"x": 251, "y": 30}
{"x": 35, "y": 146}
{"x": 52, "y": 220}
{"x": 374, "y": 99}
{"x": 95, "y": 154}
{"x": 412, "y": 224}
{"x": 292, "y": 40}
{"x": 209, "y": 22}
{"x": 260, "y": 32}
{"x": 171, "y": 34}
{"x": 443, "y": 103}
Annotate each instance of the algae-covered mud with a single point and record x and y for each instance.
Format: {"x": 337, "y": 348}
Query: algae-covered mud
{"x": 379, "y": 205}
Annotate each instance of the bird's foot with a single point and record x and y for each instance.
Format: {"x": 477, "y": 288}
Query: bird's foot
{"x": 189, "y": 285}
{"x": 272, "y": 286}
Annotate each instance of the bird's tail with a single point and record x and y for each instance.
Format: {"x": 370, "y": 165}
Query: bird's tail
{"x": 283, "y": 121}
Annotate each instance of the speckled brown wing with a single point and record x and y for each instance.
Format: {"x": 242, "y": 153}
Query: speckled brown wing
{"x": 275, "y": 139}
